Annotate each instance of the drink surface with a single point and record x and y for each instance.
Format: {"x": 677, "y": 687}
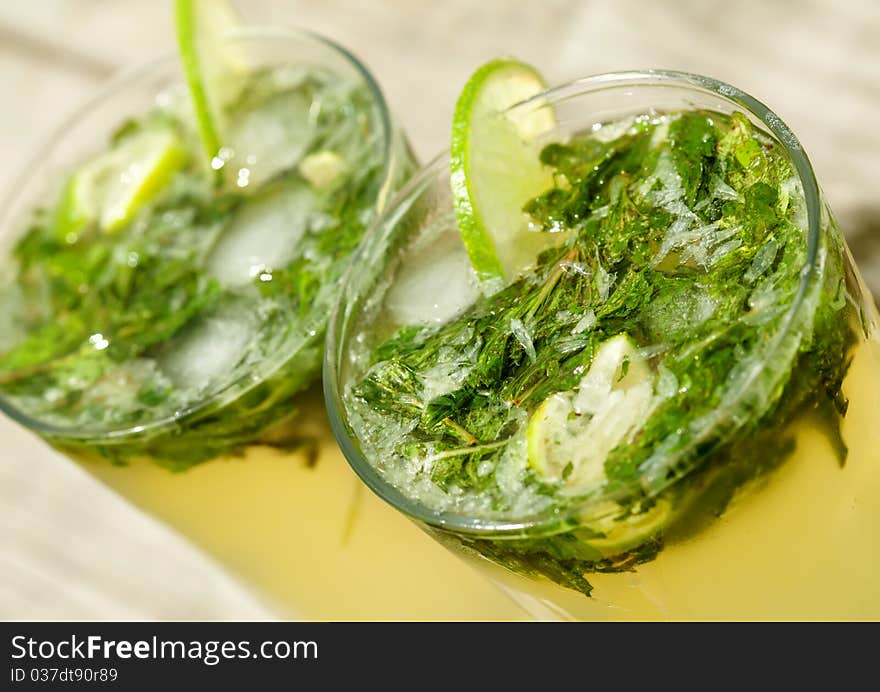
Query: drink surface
{"x": 152, "y": 287}
{"x": 634, "y": 384}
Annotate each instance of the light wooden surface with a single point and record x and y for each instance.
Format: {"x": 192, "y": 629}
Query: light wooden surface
{"x": 70, "y": 549}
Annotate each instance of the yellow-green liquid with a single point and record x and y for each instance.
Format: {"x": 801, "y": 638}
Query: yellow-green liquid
{"x": 312, "y": 539}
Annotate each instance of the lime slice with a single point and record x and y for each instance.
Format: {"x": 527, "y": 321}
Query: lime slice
{"x": 496, "y": 169}
{"x": 112, "y": 187}
{"x": 570, "y": 434}
{"x": 207, "y": 64}
{"x": 622, "y": 533}
{"x": 550, "y": 437}
{"x": 74, "y": 211}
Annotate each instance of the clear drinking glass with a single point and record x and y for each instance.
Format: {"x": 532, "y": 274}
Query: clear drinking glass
{"x": 802, "y": 542}
{"x": 250, "y": 471}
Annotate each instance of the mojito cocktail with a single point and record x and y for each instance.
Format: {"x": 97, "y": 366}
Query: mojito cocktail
{"x": 624, "y": 361}
{"x": 170, "y": 263}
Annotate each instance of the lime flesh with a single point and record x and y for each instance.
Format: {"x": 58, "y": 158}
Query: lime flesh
{"x": 496, "y": 169}
{"x": 570, "y": 434}
{"x": 111, "y": 188}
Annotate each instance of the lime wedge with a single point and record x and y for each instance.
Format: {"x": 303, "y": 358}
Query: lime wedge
{"x": 74, "y": 211}
{"x": 570, "y": 434}
{"x": 550, "y": 438}
{"x": 111, "y": 188}
{"x": 628, "y": 532}
{"x": 496, "y": 169}
{"x": 207, "y": 64}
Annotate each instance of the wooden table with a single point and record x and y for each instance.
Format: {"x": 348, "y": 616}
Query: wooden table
{"x": 69, "y": 548}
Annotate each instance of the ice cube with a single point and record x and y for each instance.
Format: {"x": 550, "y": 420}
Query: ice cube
{"x": 270, "y": 138}
{"x": 435, "y": 283}
{"x": 263, "y": 235}
{"x": 205, "y": 355}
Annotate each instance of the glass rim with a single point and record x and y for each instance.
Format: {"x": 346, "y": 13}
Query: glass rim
{"x": 457, "y": 522}
{"x": 125, "y": 79}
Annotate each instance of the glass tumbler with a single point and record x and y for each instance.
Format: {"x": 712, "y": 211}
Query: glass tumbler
{"x": 250, "y": 472}
{"x": 801, "y": 542}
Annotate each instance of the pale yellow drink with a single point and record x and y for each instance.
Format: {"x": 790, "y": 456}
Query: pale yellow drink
{"x": 303, "y": 531}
